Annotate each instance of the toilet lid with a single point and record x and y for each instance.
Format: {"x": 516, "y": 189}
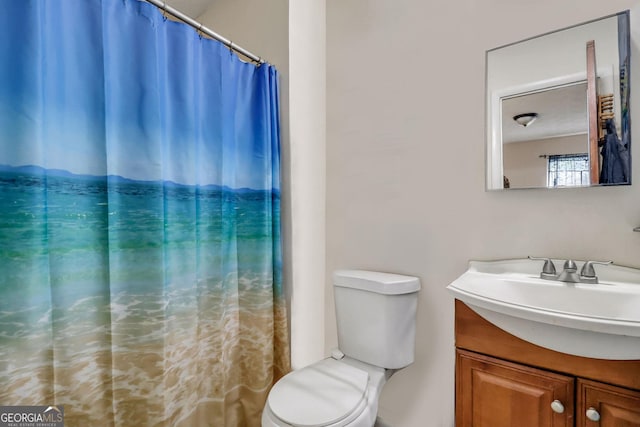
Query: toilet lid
{"x": 320, "y": 394}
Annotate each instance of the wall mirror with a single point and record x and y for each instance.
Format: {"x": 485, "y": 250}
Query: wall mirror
{"x": 558, "y": 108}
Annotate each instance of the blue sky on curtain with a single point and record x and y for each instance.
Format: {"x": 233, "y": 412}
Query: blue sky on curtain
{"x": 139, "y": 218}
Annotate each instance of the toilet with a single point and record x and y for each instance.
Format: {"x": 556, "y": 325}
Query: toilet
{"x": 376, "y": 319}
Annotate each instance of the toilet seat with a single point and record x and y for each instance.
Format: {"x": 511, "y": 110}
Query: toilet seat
{"x": 327, "y": 393}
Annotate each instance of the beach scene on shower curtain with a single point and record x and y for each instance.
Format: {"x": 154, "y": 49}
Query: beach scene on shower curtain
{"x": 140, "y": 259}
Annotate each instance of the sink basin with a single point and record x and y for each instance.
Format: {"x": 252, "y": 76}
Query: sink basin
{"x": 591, "y": 320}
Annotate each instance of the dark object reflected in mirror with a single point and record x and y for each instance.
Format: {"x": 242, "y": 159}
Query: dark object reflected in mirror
{"x": 558, "y": 108}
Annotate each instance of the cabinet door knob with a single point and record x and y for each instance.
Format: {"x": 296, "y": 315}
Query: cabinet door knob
{"x": 557, "y": 406}
{"x": 592, "y": 414}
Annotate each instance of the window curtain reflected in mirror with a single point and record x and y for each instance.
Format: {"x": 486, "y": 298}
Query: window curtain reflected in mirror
{"x": 139, "y": 219}
{"x": 568, "y": 170}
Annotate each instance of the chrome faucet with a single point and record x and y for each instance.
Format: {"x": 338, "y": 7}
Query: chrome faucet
{"x": 569, "y": 273}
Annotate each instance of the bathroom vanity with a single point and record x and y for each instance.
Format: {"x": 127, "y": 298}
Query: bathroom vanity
{"x": 504, "y": 381}
{"x": 536, "y": 347}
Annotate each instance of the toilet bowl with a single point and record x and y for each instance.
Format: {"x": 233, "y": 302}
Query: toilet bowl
{"x": 375, "y": 315}
{"x": 328, "y": 393}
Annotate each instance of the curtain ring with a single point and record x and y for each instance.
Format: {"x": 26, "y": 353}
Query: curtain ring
{"x": 199, "y": 30}
{"x": 164, "y": 10}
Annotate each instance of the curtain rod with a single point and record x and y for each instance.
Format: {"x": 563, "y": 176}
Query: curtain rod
{"x": 161, "y": 4}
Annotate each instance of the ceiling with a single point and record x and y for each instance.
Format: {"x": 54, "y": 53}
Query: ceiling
{"x": 561, "y": 111}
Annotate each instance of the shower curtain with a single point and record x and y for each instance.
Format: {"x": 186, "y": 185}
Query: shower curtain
{"x": 140, "y": 259}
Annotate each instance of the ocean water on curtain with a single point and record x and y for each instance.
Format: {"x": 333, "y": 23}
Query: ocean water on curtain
{"x": 132, "y": 288}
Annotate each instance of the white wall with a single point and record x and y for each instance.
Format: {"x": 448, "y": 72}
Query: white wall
{"x": 405, "y": 168}
{"x": 291, "y": 36}
{"x": 307, "y": 56}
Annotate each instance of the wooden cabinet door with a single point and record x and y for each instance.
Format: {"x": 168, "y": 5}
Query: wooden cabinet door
{"x": 494, "y": 393}
{"x": 615, "y": 406}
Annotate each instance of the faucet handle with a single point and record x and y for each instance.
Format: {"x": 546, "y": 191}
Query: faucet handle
{"x": 588, "y": 271}
{"x": 548, "y": 269}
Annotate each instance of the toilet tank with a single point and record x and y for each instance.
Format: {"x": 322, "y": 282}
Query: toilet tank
{"x": 376, "y": 316}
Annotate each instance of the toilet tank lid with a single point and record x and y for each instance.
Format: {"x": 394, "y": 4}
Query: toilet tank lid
{"x": 375, "y": 281}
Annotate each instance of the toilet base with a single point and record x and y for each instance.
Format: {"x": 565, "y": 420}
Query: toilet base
{"x": 381, "y": 423}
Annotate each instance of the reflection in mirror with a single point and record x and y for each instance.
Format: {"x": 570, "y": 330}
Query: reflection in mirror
{"x": 558, "y": 108}
{"x": 529, "y": 151}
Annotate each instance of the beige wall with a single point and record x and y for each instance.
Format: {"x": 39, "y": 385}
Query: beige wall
{"x": 525, "y": 167}
{"x": 405, "y": 168}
